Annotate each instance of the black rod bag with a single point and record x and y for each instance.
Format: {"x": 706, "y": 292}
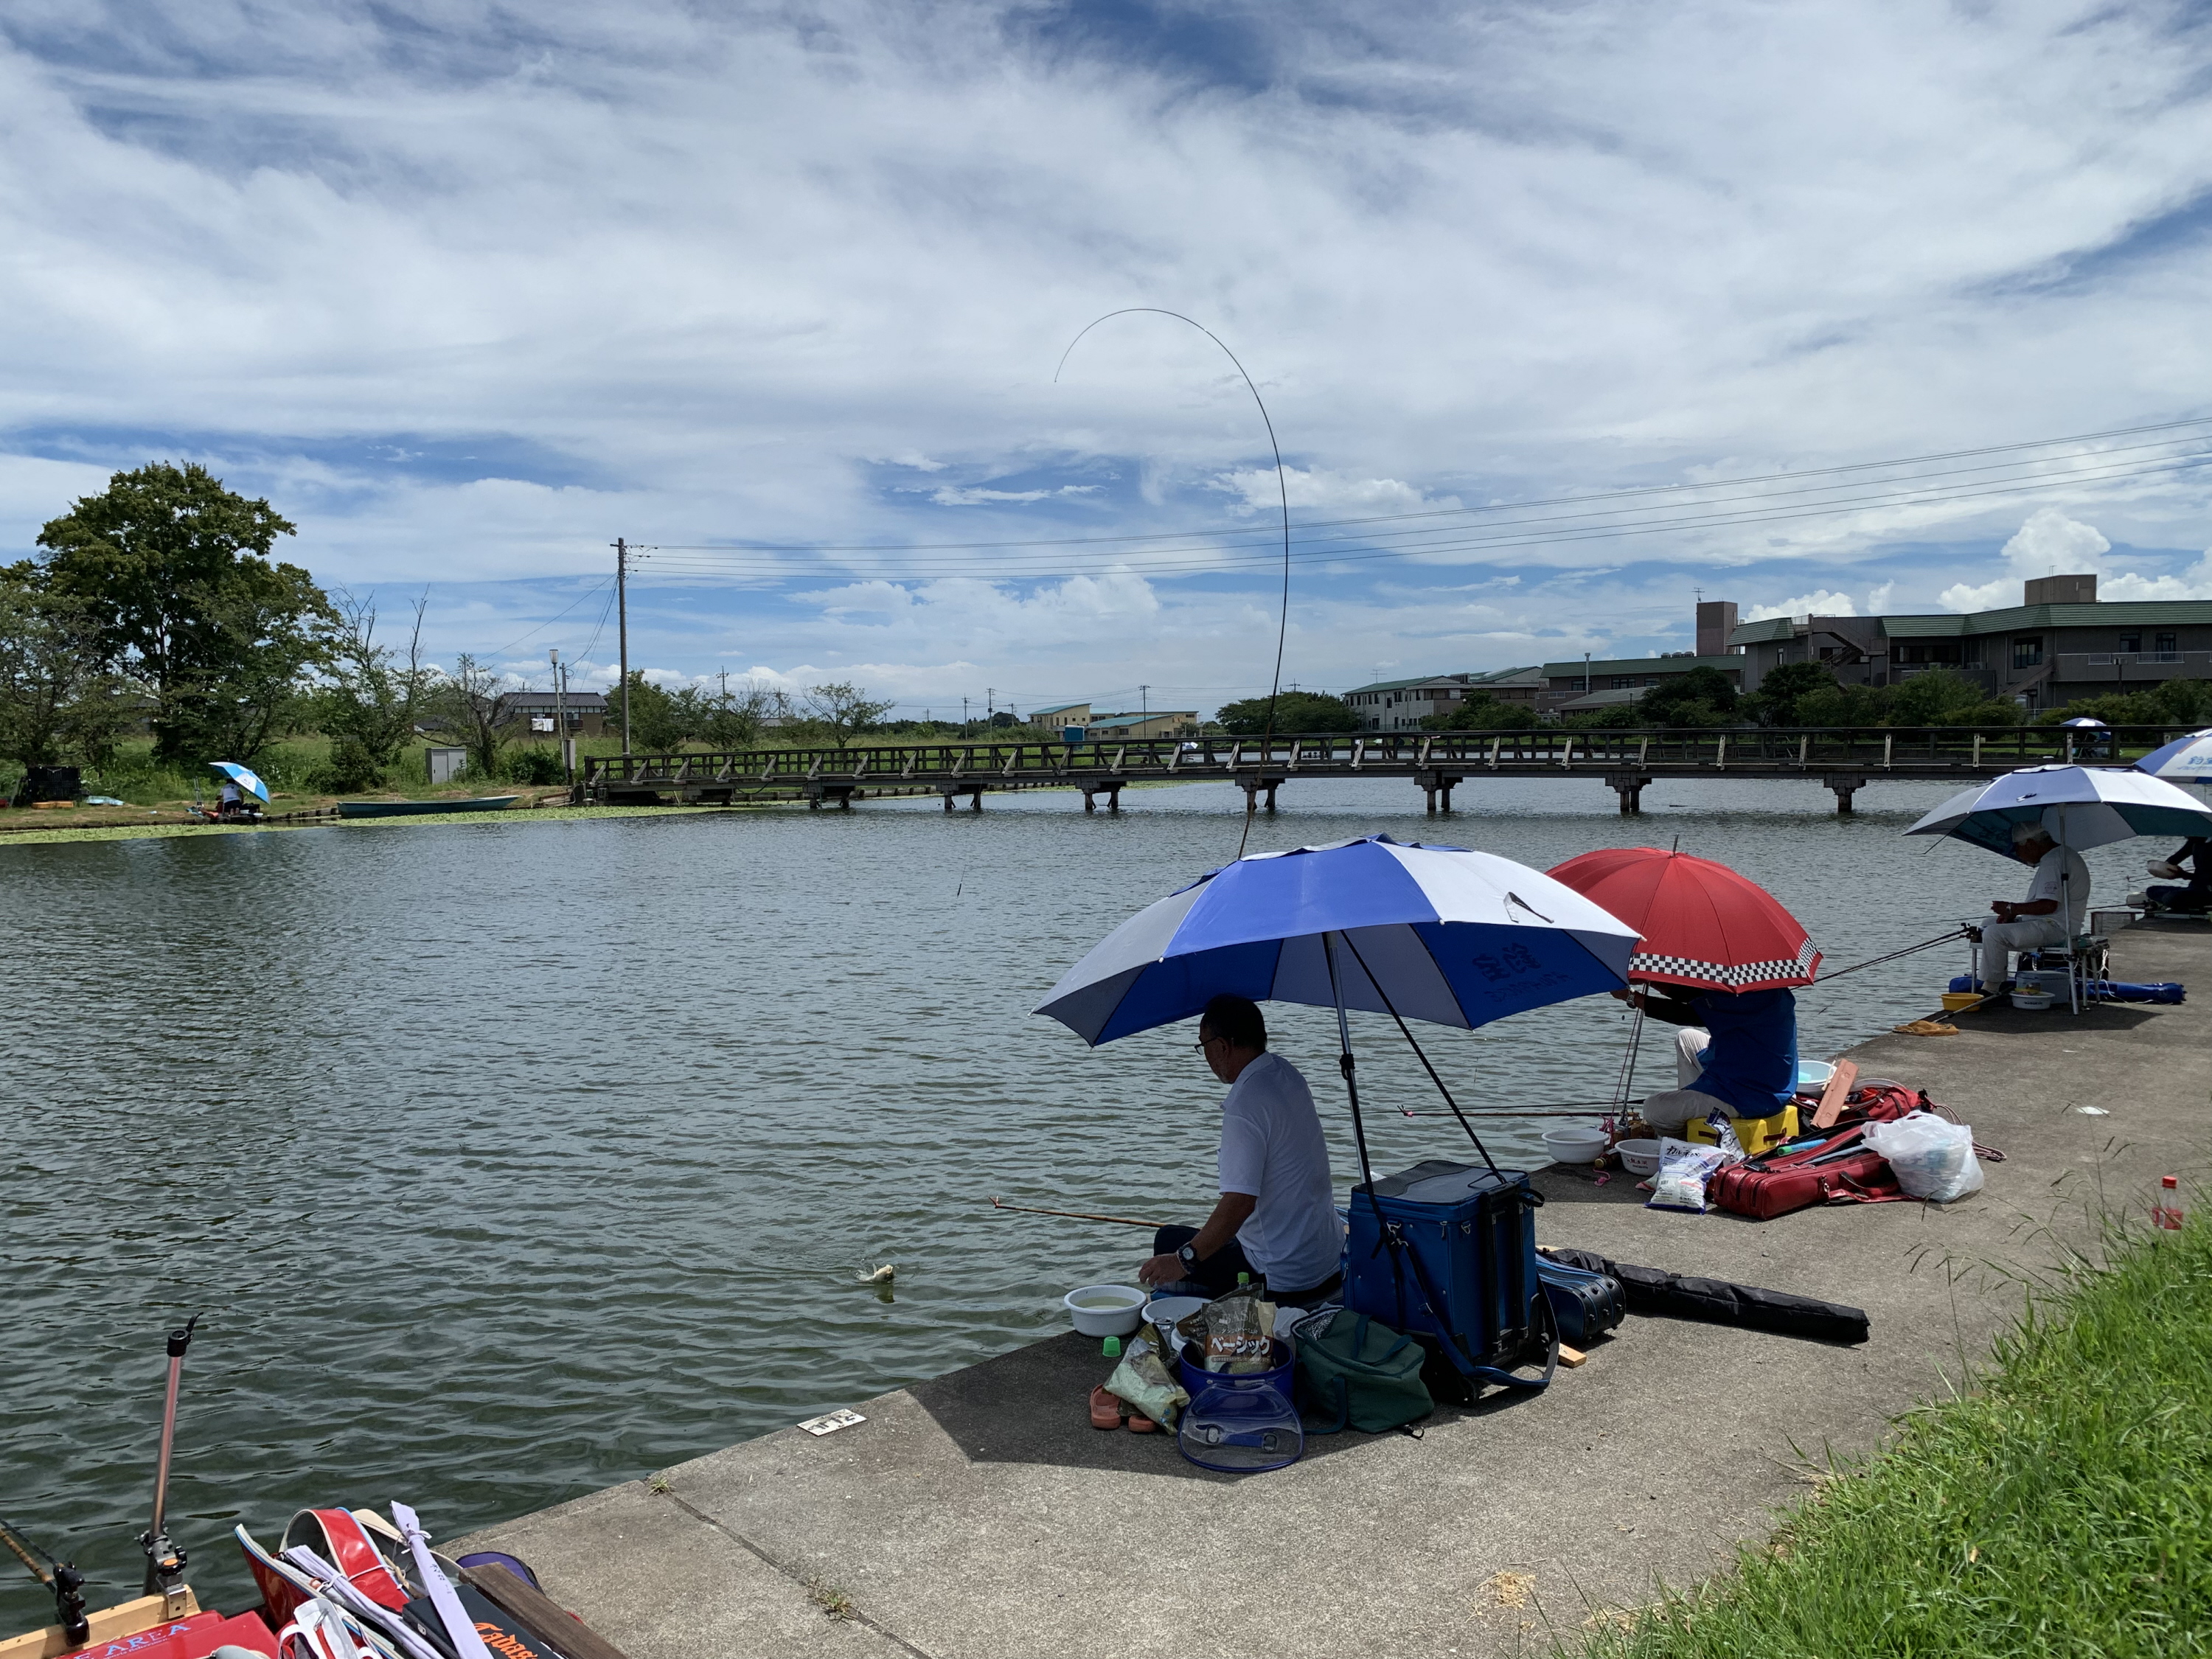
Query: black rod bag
{"x": 1717, "y": 1301}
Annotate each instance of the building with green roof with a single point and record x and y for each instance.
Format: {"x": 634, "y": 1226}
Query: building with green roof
{"x": 2060, "y": 645}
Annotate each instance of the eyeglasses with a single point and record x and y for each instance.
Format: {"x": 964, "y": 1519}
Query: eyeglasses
{"x": 1202, "y": 1044}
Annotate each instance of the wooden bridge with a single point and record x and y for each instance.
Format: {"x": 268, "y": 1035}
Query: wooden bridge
{"x": 1844, "y": 760}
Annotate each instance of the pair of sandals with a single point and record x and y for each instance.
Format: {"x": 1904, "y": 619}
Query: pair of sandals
{"x": 1108, "y": 1409}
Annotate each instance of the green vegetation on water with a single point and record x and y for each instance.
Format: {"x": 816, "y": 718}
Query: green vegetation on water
{"x": 2063, "y": 1511}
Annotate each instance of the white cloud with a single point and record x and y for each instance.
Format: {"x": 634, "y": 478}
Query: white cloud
{"x": 853, "y": 235}
{"x": 2052, "y": 544}
{"x": 2194, "y": 583}
{"x": 1822, "y": 603}
{"x": 949, "y": 496}
{"x": 1988, "y": 596}
{"x": 1258, "y": 490}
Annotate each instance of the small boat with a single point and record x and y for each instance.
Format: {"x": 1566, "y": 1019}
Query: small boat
{"x": 408, "y": 809}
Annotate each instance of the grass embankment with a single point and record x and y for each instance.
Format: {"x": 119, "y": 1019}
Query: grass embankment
{"x": 2063, "y": 1510}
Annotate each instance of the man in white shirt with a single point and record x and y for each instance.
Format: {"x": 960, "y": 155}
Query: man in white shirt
{"x": 2057, "y": 900}
{"x": 1277, "y": 1214}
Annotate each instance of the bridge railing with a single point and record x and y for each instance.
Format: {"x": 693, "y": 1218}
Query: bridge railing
{"x": 1033, "y": 761}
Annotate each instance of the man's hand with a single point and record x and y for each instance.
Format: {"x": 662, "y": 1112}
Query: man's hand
{"x": 1162, "y": 1270}
{"x": 2006, "y": 909}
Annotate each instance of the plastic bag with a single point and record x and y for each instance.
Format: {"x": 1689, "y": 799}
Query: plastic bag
{"x": 1142, "y": 1379}
{"x": 1233, "y": 1334}
{"x": 1684, "y": 1168}
{"x": 1934, "y": 1158}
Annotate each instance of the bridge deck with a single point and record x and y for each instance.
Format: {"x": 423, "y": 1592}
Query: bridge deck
{"x": 1844, "y": 759}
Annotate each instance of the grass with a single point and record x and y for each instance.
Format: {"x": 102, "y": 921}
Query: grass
{"x": 2064, "y": 1510}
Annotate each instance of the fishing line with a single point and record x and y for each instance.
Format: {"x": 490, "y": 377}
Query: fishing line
{"x": 1282, "y": 489}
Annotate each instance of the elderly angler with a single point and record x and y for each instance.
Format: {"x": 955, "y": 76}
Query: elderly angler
{"x": 2057, "y": 900}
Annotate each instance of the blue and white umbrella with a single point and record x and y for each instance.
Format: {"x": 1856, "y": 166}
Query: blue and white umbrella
{"x": 2185, "y": 760}
{"x": 243, "y": 776}
{"x": 2081, "y": 806}
{"x": 1438, "y": 933}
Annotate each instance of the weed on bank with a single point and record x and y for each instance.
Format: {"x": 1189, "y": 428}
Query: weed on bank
{"x": 2063, "y": 1511}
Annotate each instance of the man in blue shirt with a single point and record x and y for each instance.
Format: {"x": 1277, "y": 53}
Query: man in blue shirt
{"x": 1736, "y": 1054}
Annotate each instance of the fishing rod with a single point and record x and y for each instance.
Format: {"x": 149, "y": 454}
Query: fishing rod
{"x": 1594, "y": 1109}
{"x": 1076, "y": 1215}
{"x": 62, "y": 1578}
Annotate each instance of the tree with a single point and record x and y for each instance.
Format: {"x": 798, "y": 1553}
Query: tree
{"x": 1782, "y": 690}
{"x": 374, "y": 697}
{"x": 1481, "y": 712}
{"x": 660, "y": 721}
{"x": 2170, "y": 702}
{"x": 1294, "y": 711}
{"x": 1701, "y": 696}
{"x": 840, "y": 710}
{"x": 734, "y": 716}
{"x": 56, "y": 701}
{"x": 1943, "y": 696}
{"x": 464, "y": 705}
{"x": 175, "y": 574}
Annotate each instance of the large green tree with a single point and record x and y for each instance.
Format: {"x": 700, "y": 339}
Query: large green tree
{"x": 1479, "y": 711}
{"x": 57, "y": 701}
{"x": 1295, "y": 711}
{"x": 175, "y": 575}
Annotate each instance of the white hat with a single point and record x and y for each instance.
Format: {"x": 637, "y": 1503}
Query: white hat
{"x": 2024, "y": 833}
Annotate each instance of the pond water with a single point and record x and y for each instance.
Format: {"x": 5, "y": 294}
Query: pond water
{"x": 507, "y": 1161}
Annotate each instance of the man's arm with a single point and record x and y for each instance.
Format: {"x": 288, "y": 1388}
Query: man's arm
{"x": 1232, "y": 1211}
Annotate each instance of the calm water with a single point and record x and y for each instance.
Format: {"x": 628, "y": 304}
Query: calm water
{"x": 508, "y": 1161}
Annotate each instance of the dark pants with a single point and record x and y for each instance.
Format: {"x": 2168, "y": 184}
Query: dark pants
{"x": 2190, "y": 901}
{"x": 1218, "y": 1272}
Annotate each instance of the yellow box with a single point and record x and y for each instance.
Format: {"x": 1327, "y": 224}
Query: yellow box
{"x": 1755, "y": 1134}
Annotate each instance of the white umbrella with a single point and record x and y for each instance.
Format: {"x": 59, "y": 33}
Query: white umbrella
{"x": 2188, "y": 759}
{"x": 2081, "y": 806}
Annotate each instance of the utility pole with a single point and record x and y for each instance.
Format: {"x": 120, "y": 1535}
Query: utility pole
{"x": 561, "y": 716}
{"x": 990, "y": 704}
{"x": 963, "y": 717}
{"x": 621, "y": 607}
{"x": 1144, "y": 703}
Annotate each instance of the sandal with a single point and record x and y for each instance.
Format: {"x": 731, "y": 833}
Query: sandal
{"x": 1105, "y": 1409}
{"x": 1141, "y": 1425}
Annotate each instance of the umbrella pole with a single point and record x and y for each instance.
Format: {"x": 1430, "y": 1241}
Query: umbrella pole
{"x": 1343, "y": 1064}
{"x": 1418, "y": 1052}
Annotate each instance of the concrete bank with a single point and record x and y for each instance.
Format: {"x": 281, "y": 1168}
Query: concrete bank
{"x": 979, "y": 1515}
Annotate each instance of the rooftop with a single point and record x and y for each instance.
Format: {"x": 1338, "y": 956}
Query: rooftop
{"x": 1731, "y": 663}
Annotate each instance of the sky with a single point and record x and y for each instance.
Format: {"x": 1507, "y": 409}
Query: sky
{"x": 784, "y": 294}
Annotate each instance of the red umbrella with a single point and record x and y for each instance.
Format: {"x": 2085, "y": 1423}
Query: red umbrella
{"x": 1703, "y": 924}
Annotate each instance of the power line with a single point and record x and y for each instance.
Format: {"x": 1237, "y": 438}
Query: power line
{"x": 1568, "y": 528}
{"x": 1435, "y": 513}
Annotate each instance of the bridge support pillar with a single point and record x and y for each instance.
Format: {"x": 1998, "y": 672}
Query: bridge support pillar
{"x": 1843, "y": 789}
{"x": 1111, "y": 789}
{"x": 1629, "y": 786}
{"x": 1437, "y": 790}
{"x": 1254, "y": 787}
{"x": 974, "y": 792}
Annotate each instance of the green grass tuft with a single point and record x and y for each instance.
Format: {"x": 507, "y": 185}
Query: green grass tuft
{"x": 2064, "y": 1512}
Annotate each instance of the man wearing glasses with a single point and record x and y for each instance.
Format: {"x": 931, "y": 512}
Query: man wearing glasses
{"x": 1277, "y": 1215}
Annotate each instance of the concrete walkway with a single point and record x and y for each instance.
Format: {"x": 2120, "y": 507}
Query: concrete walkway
{"x": 979, "y": 1514}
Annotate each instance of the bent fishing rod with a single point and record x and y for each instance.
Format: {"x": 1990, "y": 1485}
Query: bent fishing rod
{"x": 1076, "y": 1215}
{"x": 60, "y": 1576}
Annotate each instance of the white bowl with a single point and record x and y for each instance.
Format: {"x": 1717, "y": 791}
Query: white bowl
{"x": 1638, "y": 1157}
{"x": 1105, "y": 1310}
{"x": 1812, "y": 1076}
{"x": 2034, "y": 1001}
{"x": 1575, "y": 1145}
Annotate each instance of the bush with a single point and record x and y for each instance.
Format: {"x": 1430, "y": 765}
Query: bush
{"x": 1943, "y": 696}
{"x": 351, "y": 769}
{"x": 533, "y": 765}
{"x": 2176, "y": 702}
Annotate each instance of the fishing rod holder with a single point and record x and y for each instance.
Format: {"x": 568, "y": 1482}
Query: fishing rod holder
{"x": 165, "y": 1561}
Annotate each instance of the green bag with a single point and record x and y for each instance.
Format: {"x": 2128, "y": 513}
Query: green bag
{"x": 1356, "y": 1373}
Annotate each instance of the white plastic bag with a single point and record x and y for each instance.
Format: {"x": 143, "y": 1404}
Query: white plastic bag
{"x": 1934, "y": 1157}
{"x": 1684, "y": 1168}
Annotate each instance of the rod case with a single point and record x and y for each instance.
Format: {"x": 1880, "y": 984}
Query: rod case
{"x": 1585, "y": 1305}
{"x": 1447, "y": 1254}
{"x": 1841, "y": 1169}
{"x": 1717, "y": 1301}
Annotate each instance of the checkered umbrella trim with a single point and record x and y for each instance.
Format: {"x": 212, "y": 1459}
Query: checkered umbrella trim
{"x": 1727, "y": 976}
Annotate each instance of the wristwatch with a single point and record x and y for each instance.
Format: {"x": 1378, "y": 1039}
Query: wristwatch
{"x": 1187, "y": 1257}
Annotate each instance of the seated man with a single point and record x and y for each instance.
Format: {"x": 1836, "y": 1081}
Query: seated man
{"x": 2191, "y": 860}
{"x": 2057, "y": 900}
{"x": 1736, "y": 1055}
{"x": 1277, "y": 1215}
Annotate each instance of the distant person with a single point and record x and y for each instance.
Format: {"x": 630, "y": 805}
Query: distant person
{"x": 1736, "y": 1052}
{"x": 1276, "y": 1218}
{"x": 2061, "y": 879}
{"x": 230, "y": 800}
{"x": 2191, "y": 860}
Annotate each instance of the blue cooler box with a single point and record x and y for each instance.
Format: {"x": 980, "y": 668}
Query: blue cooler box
{"x": 1453, "y": 1256}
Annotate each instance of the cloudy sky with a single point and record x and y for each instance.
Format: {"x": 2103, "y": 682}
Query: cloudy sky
{"x": 781, "y": 292}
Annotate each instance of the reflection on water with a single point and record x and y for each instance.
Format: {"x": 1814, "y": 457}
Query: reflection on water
{"x": 508, "y": 1161}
